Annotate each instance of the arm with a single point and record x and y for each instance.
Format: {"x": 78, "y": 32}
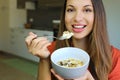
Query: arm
{"x": 38, "y": 47}
{"x": 44, "y": 68}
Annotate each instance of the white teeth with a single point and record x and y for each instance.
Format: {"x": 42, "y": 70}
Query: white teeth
{"x": 78, "y": 26}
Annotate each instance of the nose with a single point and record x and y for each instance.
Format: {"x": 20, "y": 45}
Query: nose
{"x": 78, "y": 16}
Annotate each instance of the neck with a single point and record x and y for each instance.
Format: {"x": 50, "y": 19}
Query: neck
{"x": 80, "y": 43}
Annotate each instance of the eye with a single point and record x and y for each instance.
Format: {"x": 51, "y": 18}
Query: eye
{"x": 87, "y": 10}
{"x": 69, "y": 10}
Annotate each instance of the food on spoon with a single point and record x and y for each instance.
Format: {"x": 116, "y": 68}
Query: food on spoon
{"x": 67, "y": 35}
{"x": 70, "y": 63}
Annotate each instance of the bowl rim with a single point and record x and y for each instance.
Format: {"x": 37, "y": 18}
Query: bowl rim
{"x": 87, "y": 62}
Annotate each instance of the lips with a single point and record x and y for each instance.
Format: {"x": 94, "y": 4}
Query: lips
{"x": 78, "y": 28}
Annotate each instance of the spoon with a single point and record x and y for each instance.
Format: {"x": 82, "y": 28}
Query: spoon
{"x": 66, "y": 35}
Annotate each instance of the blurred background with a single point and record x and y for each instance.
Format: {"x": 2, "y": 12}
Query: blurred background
{"x": 18, "y": 17}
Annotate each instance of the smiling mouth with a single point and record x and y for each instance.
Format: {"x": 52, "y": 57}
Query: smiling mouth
{"x": 79, "y": 27}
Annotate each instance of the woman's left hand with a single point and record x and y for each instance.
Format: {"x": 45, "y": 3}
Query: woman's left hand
{"x": 87, "y": 76}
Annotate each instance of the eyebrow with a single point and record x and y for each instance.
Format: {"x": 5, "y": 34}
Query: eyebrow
{"x": 84, "y": 6}
{"x": 70, "y": 6}
{"x": 87, "y": 5}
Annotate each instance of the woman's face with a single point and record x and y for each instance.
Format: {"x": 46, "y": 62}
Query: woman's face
{"x": 79, "y": 17}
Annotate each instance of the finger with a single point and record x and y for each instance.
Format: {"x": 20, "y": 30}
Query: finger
{"x": 90, "y": 76}
{"x": 39, "y": 42}
{"x": 45, "y": 44}
{"x": 29, "y": 39}
{"x": 86, "y": 76}
{"x": 56, "y": 75}
{"x": 39, "y": 47}
{"x": 31, "y": 33}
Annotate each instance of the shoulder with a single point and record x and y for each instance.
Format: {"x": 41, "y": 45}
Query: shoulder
{"x": 115, "y": 56}
{"x": 115, "y": 52}
{"x": 115, "y": 72}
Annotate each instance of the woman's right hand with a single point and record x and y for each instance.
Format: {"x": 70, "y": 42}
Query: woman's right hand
{"x": 37, "y": 45}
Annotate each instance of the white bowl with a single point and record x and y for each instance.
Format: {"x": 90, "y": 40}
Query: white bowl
{"x": 70, "y": 52}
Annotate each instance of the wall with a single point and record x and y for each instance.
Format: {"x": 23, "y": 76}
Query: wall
{"x": 113, "y": 20}
{"x": 10, "y": 17}
{"x": 4, "y": 23}
{"x": 17, "y": 16}
{"x": 12, "y": 33}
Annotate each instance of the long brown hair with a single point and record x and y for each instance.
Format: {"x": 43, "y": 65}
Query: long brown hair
{"x": 99, "y": 46}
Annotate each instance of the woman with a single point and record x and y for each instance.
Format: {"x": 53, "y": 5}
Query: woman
{"x": 87, "y": 20}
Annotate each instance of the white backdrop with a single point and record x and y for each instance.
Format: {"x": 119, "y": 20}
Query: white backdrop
{"x": 113, "y": 21}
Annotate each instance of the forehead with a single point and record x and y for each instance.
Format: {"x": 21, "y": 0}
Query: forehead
{"x": 79, "y": 2}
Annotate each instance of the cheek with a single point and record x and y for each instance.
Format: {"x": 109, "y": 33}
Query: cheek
{"x": 68, "y": 17}
{"x": 66, "y": 21}
{"x": 91, "y": 21}
{"x": 90, "y": 28}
